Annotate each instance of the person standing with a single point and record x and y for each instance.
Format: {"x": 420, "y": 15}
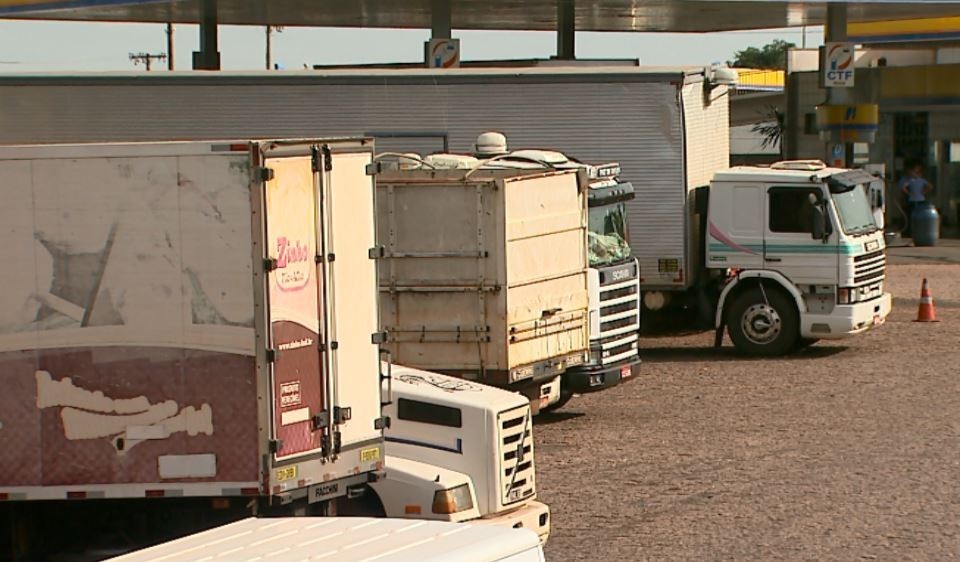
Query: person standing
{"x": 915, "y": 186}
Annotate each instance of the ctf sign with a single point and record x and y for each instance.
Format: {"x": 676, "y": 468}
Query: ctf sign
{"x": 838, "y": 65}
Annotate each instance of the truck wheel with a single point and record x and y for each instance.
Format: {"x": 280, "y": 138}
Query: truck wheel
{"x": 763, "y": 326}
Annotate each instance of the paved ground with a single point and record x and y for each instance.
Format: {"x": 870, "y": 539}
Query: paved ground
{"x": 845, "y": 451}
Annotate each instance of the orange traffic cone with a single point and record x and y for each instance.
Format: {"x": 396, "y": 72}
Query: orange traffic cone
{"x": 926, "y": 312}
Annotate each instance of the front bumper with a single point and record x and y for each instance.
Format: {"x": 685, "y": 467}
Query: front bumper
{"x": 534, "y": 516}
{"x": 847, "y": 320}
{"x": 594, "y": 378}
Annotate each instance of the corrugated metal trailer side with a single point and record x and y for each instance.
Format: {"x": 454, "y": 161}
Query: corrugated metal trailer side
{"x": 631, "y": 115}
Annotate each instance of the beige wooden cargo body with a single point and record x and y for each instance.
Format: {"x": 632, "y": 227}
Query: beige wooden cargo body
{"x": 484, "y": 273}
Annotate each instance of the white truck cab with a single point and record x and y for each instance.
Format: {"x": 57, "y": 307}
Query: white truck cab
{"x": 460, "y": 451}
{"x": 804, "y": 257}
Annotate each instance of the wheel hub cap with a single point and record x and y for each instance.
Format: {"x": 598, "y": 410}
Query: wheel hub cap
{"x": 761, "y": 324}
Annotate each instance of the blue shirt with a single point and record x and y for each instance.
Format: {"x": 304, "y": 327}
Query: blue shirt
{"x": 914, "y": 186}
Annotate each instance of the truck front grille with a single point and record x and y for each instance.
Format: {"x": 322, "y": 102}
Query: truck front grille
{"x": 516, "y": 476}
{"x": 869, "y": 267}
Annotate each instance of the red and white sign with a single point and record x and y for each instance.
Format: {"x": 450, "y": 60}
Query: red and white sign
{"x": 443, "y": 53}
{"x": 837, "y": 64}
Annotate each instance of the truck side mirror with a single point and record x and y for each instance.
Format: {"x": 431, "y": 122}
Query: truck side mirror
{"x": 818, "y": 228}
{"x": 818, "y": 219}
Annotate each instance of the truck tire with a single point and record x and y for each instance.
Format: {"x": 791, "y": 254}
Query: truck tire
{"x": 763, "y": 322}
{"x": 803, "y": 343}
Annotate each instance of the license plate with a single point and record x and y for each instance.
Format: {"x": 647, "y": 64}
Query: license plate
{"x": 625, "y": 371}
{"x": 287, "y": 473}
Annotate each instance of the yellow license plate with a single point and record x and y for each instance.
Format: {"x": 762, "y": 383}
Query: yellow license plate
{"x": 367, "y": 455}
{"x": 287, "y": 473}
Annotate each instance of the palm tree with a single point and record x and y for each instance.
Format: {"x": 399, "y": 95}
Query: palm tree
{"x": 771, "y": 128}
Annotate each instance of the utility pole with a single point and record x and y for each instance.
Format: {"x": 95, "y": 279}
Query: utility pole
{"x": 270, "y": 29}
{"x": 146, "y": 59}
{"x": 169, "y": 46}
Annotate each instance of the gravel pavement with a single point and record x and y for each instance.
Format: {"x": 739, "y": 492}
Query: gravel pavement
{"x": 846, "y": 451}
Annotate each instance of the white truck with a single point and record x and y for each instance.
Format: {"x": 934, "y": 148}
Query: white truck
{"x": 459, "y": 451}
{"x": 484, "y": 274}
{"x": 347, "y": 539}
{"x": 188, "y": 335}
{"x": 795, "y": 253}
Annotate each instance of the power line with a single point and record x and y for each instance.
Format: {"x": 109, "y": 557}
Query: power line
{"x": 146, "y": 59}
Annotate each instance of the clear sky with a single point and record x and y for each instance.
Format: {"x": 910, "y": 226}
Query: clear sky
{"x": 61, "y": 46}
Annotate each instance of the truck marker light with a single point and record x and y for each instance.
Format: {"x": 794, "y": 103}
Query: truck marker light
{"x": 411, "y": 509}
{"x": 453, "y": 500}
{"x": 154, "y": 493}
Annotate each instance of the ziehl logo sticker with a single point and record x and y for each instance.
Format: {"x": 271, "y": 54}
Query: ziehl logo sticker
{"x": 293, "y": 263}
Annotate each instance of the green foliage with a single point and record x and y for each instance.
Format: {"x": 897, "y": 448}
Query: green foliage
{"x": 772, "y": 56}
{"x": 771, "y": 129}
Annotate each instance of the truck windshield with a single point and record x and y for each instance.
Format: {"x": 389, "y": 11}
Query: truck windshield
{"x": 608, "y": 234}
{"x": 856, "y": 216}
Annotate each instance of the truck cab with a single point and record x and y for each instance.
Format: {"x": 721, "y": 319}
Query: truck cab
{"x": 802, "y": 256}
{"x": 461, "y": 451}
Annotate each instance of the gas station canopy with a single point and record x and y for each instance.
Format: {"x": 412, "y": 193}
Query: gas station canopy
{"x": 590, "y": 15}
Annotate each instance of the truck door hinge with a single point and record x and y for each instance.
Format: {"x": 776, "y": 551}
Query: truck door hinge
{"x": 373, "y": 168}
{"x": 382, "y": 423}
{"x": 321, "y": 420}
{"x": 272, "y": 355}
{"x": 342, "y": 414}
{"x": 275, "y": 445}
{"x": 327, "y": 158}
{"x": 265, "y": 174}
{"x": 325, "y": 445}
{"x": 377, "y": 252}
{"x": 378, "y": 338}
{"x": 332, "y": 346}
{"x": 316, "y": 159}
{"x": 270, "y": 264}
{"x": 331, "y": 257}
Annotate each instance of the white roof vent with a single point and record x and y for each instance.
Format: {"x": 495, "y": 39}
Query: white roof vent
{"x": 409, "y": 161}
{"x": 450, "y": 161}
{"x": 491, "y": 143}
{"x": 550, "y": 157}
{"x": 718, "y": 75}
{"x": 803, "y": 165}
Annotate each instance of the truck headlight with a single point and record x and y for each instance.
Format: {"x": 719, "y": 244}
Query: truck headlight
{"x": 453, "y": 500}
{"x": 847, "y": 296}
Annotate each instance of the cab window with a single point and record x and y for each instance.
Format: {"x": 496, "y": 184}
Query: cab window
{"x": 790, "y": 209}
{"x": 425, "y": 412}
